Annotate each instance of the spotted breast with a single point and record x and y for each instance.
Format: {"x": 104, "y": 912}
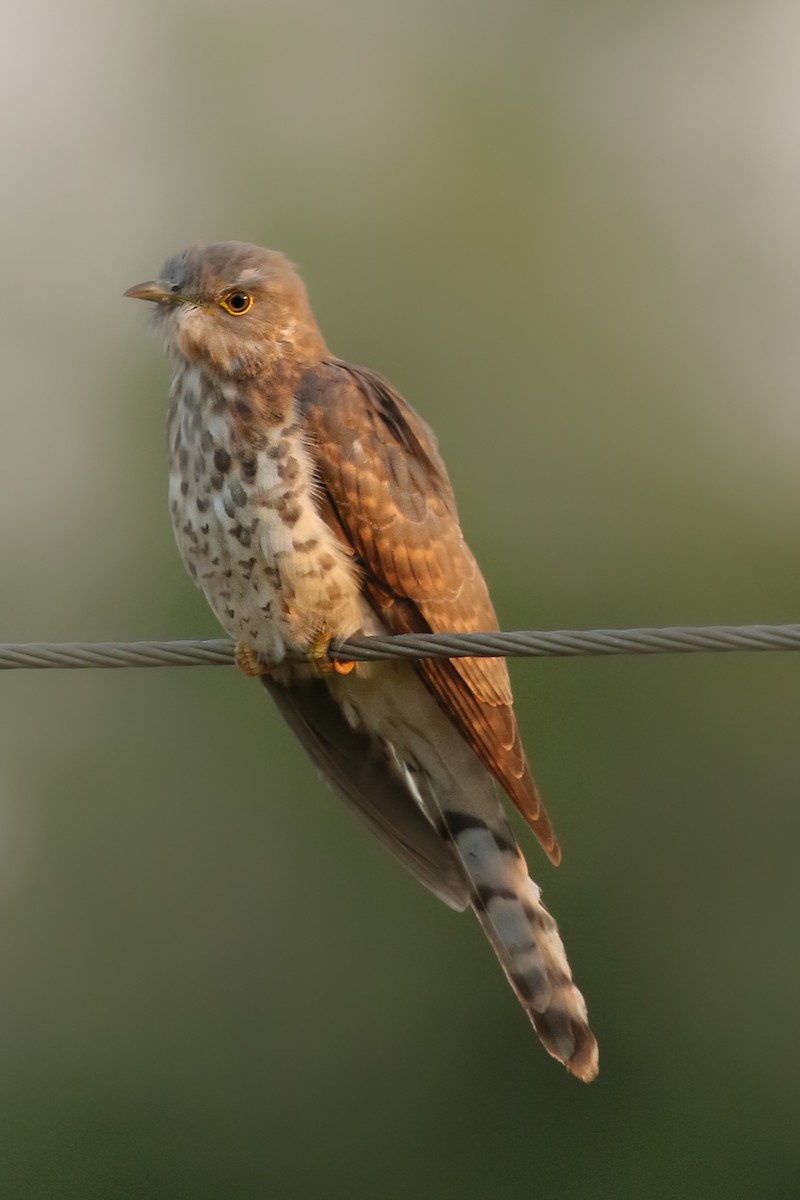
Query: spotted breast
{"x": 247, "y": 524}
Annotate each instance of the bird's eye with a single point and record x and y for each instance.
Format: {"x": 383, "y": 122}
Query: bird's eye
{"x": 236, "y": 302}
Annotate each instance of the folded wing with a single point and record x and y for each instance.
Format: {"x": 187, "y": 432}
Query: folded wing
{"x": 385, "y": 491}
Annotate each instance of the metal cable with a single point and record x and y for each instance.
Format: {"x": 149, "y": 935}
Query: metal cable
{"x": 521, "y": 644}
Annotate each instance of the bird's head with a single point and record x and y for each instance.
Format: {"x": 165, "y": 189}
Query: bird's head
{"x": 232, "y": 308}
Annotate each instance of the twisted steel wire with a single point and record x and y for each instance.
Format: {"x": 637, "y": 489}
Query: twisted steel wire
{"x": 218, "y": 652}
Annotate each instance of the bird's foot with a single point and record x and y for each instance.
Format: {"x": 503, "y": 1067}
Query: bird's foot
{"x": 319, "y": 658}
{"x": 246, "y": 658}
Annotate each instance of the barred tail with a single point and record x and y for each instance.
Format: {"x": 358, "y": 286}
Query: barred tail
{"x": 422, "y": 789}
{"x": 523, "y": 934}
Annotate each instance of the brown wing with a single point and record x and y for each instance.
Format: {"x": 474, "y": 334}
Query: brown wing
{"x": 386, "y": 493}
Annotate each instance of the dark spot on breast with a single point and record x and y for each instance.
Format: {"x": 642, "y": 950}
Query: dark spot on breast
{"x": 326, "y": 563}
{"x": 206, "y": 441}
{"x": 188, "y": 397}
{"x": 238, "y": 494}
{"x": 249, "y": 469}
{"x": 184, "y": 486}
{"x": 305, "y": 547}
{"x": 202, "y": 504}
{"x": 287, "y": 510}
{"x": 222, "y": 460}
{"x": 289, "y": 470}
{"x": 241, "y": 535}
{"x": 229, "y": 506}
{"x": 243, "y": 409}
{"x": 183, "y": 458}
{"x": 216, "y": 481}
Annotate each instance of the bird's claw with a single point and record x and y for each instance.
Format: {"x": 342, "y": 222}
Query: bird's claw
{"x": 246, "y": 659}
{"x": 319, "y": 658}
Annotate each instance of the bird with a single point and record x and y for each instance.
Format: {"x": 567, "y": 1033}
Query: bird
{"x": 310, "y": 504}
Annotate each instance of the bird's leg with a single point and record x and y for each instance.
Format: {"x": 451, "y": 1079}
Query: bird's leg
{"x": 318, "y": 655}
{"x": 246, "y": 658}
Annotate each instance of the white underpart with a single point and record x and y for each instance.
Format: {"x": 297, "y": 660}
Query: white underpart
{"x": 392, "y": 703}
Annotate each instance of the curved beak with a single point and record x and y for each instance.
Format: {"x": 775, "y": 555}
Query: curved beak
{"x": 151, "y": 290}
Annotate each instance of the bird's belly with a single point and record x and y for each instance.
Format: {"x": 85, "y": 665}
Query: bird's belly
{"x": 250, "y": 534}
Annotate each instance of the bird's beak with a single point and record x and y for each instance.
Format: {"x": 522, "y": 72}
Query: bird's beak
{"x": 152, "y": 290}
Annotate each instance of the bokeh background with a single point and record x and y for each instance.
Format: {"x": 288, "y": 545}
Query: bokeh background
{"x": 569, "y": 233}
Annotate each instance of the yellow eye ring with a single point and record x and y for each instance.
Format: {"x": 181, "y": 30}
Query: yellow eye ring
{"x": 236, "y": 302}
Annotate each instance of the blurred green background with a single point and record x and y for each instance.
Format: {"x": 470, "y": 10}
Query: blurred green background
{"x": 569, "y": 234}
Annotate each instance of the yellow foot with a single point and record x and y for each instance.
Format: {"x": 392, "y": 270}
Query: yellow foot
{"x": 318, "y": 656}
{"x": 247, "y": 660}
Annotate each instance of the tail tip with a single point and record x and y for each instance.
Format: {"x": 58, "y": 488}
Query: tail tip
{"x": 584, "y": 1063}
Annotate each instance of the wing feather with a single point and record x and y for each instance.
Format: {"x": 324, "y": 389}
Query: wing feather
{"x": 357, "y": 766}
{"x": 385, "y": 490}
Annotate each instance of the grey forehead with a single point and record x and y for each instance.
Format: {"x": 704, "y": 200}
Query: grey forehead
{"x": 221, "y": 264}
